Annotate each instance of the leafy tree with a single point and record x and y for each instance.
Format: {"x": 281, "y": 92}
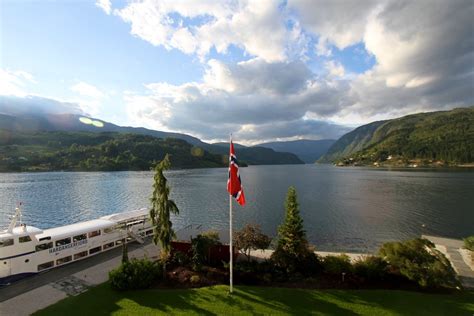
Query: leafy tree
{"x": 161, "y": 209}
{"x": 292, "y": 252}
{"x": 251, "y": 238}
{"x": 419, "y": 261}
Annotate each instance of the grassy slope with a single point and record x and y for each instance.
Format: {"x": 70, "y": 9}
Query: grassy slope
{"x": 257, "y": 301}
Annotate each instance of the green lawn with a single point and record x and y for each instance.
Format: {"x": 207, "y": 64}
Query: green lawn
{"x": 261, "y": 301}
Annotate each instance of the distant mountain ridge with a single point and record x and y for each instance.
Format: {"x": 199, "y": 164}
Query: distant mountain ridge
{"x": 307, "y": 150}
{"x": 27, "y": 123}
{"x": 445, "y": 137}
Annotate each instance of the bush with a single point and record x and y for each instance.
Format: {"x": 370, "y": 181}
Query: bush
{"x": 179, "y": 258}
{"x": 200, "y": 248}
{"x": 195, "y": 279}
{"x": 336, "y": 265}
{"x": 469, "y": 243}
{"x": 135, "y": 274}
{"x": 420, "y": 262}
{"x": 371, "y": 268}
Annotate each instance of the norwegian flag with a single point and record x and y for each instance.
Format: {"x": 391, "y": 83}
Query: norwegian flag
{"x": 234, "y": 185}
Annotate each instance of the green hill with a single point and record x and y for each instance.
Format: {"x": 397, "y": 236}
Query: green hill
{"x": 435, "y": 138}
{"x": 86, "y": 151}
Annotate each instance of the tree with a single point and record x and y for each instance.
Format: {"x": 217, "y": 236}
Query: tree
{"x": 251, "y": 238}
{"x": 161, "y": 209}
{"x": 292, "y": 252}
{"x": 419, "y": 261}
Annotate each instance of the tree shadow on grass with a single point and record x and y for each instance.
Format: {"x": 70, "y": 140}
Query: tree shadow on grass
{"x": 292, "y": 301}
{"x": 245, "y": 300}
{"x": 215, "y": 300}
{"x": 406, "y": 302}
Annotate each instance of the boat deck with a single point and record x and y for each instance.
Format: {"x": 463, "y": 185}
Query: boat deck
{"x": 37, "y": 292}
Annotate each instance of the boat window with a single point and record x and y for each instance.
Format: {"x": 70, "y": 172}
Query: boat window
{"x": 94, "y": 233}
{"x": 80, "y": 255}
{"x": 6, "y": 242}
{"x": 45, "y": 265}
{"x": 44, "y": 246}
{"x": 95, "y": 250}
{"x": 118, "y": 242}
{"x": 149, "y": 232}
{"x": 63, "y": 241}
{"x": 63, "y": 260}
{"x": 109, "y": 230}
{"x": 79, "y": 237}
{"x": 45, "y": 238}
{"x": 109, "y": 245}
{"x": 24, "y": 239}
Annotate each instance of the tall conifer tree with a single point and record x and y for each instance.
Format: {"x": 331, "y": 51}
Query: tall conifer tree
{"x": 161, "y": 209}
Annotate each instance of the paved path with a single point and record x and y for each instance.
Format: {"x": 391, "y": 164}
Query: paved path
{"x": 32, "y": 294}
{"x": 466, "y": 275}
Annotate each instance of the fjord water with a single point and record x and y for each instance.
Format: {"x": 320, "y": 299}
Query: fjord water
{"x": 344, "y": 209}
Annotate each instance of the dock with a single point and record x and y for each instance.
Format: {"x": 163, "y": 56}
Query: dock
{"x": 452, "y": 249}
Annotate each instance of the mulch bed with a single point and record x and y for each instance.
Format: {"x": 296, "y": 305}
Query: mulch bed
{"x": 183, "y": 277}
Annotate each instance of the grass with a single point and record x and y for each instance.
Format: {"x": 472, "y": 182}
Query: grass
{"x": 102, "y": 300}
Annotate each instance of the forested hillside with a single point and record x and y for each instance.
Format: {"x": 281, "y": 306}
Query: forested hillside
{"x": 84, "y": 151}
{"x": 445, "y": 137}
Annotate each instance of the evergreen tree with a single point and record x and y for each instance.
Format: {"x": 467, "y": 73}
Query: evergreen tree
{"x": 161, "y": 209}
{"x": 292, "y": 248}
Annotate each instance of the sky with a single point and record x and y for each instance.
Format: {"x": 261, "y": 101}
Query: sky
{"x": 262, "y": 70}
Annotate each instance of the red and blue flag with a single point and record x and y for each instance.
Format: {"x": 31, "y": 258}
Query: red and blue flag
{"x": 234, "y": 184}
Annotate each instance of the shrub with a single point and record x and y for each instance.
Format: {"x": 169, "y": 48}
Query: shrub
{"x": 179, "y": 258}
{"x": 251, "y": 238}
{"x": 195, "y": 279}
{"x": 469, "y": 243}
{"x": 336, "y": 265}
{"x": 420, "y": 262}
{"x": 135, "y": 274}
{"x": 371, "y": 268}
{"x": 200, "y": 248}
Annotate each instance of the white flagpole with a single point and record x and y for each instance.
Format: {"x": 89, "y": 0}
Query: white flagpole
{"x": 230, "y": 232}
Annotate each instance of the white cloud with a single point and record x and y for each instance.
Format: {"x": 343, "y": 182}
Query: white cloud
{"x": 335, "y": 68}
{"x": 87, "y": 90}
{"x": 105, "y": 5}
{"x": 15, "y": 82}
{"x": 248, "y": 98}
{"x": 256, "y": 26}
{"x": 340, "y": 22}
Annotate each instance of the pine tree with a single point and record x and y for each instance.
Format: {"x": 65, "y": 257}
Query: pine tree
{"x": 292, "y": 247}
{"x": 161, "y": 209}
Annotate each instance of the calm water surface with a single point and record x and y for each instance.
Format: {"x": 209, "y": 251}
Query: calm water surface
{"x": 346, "y": 209}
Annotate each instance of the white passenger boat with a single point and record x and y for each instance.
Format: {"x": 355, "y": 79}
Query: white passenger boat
{"x": 27, "y": 250}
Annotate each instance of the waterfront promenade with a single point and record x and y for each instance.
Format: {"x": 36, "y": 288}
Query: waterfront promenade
{"x": 452, "y": 250}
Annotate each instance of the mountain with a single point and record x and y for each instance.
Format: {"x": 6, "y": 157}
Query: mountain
{"x": 351, "y": 142}
{"x": 307, "y": 150}
{"x": 74, "y": 122}
{"x": 27, "y": 123}
{"x": 444, "y": 137}
{"x": 256, "y": 155}
{"x": 105, "y": 151}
